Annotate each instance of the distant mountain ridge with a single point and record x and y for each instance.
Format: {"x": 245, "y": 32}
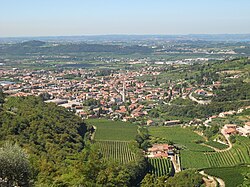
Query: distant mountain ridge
{"x": 205, "y": 37}
{"x": 35, "y": 46}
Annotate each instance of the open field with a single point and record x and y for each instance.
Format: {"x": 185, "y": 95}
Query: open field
{"x": 233, "y": 176}
{"x": 113, "y": 130}
{"x": 116, "y": 150}
{"x": 160, "y": 166}
{"x": 184, "y": 137}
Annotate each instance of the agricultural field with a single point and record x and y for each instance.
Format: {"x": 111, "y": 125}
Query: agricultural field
{"x": 183, "y": 137}
{"x": 116, "y": 150}
{"x": 233, "y": 176}
{"x": 114, "y": 139}
{"x": 217, "y": 145}
{"x": 160, "y": 166}
{"x": 192, "y": 159}
{"x": 113, "y": 130}
{"x": 239, "y": 154}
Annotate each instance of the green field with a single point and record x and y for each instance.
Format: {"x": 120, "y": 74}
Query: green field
{"x": 233, "y": 176}
{"x": 192, "y": 159}
{"x": 217, "y": 145}
{"x": 238, "y": 154}
{"x": 160, "y": 166}
{"x": 116, "y": 150}
{"x": 184, "y": 137}
{"x": 113, "y": 130}
{"x": 195, "y": 155}
{"x": 113, "y": 139}
{"x": 192, "y": 153}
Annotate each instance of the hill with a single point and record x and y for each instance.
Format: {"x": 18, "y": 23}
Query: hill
{"x": 52, "y": 136}
{"x": 34, "y": 47}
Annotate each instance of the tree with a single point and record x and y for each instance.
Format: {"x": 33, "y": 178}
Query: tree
{"x": 1, "y": 97}
{"x": 14, "y": 166}
{"x": 148, "y": 181}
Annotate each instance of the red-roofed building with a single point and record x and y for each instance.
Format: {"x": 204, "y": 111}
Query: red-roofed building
{"x": 160, "y": 151}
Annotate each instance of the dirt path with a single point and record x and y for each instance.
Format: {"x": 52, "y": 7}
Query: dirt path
{"x": 202, "y": 102}
{"x": 93, "y": 134}
{"x": 176, "y": 163}
{"x": 214, "y": 180}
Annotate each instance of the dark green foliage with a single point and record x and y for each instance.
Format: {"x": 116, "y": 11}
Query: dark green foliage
{"x": 14, "y": 166}
{"x": 232, "y": 92}
{"x": 1, "y": 97}
{"x": 52, "y": 135}
{"x": 184, "y": 178}
{"x": 233, "y": 176}
{"x": 201, "y": 111}
{"x": 211, "y": 131}
{"x": 142, "y": 138}
{"x": 95, "y": 171}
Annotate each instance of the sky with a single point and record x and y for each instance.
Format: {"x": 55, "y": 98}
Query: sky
{"x": 101, "y": 17}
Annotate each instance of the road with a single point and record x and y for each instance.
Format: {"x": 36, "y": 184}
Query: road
{"x": 230, "y": 145}
{"x": 202, "y": 102}
{"x": 220, "y": 181}
{"x": 228, "y": 141}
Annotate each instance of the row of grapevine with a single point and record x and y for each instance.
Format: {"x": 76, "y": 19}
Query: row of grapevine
{"x": 236, "y": 155}
{"x": 116, "y": 150}
{"x": 246, "y": 144}
{"x": 160, "y": 166}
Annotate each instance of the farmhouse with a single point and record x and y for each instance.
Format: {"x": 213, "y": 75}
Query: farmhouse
{"x": 160, "y": 151}
{"x": 230, "y": 129}
{"x": 244, "y": 131}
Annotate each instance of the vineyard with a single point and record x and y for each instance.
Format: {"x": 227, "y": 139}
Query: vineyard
{"x": 216, "y": 145}
{"x": 113, "y": 130}
{"x": 239, "y": 154}
{"x": 116, "y": 150}
{"x": 160, "y": 166}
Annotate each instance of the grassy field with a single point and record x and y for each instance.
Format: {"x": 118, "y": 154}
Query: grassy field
{"x": 113, "y": 130}
{"x": 192, "y": 159}
{"x": 184, "y": 137}
{"x": 233, "y": 176}
{"x": 160, "y": 166}
{"x": 116, "y": 150}
{"x": 216, "y": 145}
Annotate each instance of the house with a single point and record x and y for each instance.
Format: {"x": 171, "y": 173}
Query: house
{"x": 230, "y": 129}
{"x": 160, "y": 151}
{"x": 244, "y": 131}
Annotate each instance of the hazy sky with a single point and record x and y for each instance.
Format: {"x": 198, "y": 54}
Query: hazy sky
{"x": 81, "y": 17}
